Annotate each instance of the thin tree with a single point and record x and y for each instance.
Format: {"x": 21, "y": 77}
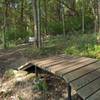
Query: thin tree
{"x": 37, "y": 28}
{"x": 35, "y": 21}
{"x": 22, "y": 10}
{"x": 46, "y": 21}
{"x": 83, "y": 16}
{"x": 39, "y": 23}
{"x": 63, "y": 17}
{"x": 99, "y": 14}
{"x": 5, "y": 23}
{"x": 96, "y": 15}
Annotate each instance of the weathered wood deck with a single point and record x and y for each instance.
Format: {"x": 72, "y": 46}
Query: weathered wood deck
{"x": 81, "y": 73}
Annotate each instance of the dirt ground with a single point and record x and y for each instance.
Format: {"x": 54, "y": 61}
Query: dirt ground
{"x": 21, "y": 88}
{"x": 12, "y": 58}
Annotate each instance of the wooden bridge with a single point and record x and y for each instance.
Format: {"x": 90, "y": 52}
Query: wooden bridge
{"x": 80, "y": 73}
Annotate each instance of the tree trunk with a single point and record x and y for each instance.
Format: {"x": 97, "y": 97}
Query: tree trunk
{"x": 83, "y": 16}
{"x": 96, "y": 10}
{"x": 5, "y": 23}
{"x": 46, "y": 21}
{"x": 37, "y": 23}
{"x": 59, "y": 10}
{"x": 63, "y": 17}
{"x": 22, "y": 10}
{"x": 99, "y": 14}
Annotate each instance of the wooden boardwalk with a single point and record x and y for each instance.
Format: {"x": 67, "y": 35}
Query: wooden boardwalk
{"x": 80, "y": 73}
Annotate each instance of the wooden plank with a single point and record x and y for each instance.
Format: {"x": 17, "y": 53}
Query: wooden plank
{"x": 74, "y": 66}
{"x": 25, "y": 66}
{"x": 70, "y": 60}
{"x": 81, "y": 72}
{"x": 50, "y": 59}
{"x": 86, "y": 79}
{"x": 89, "y": 89}
{"x": 60, "y": 62}
{"x": 42, "y": 59}
{"x": 65, "y": 64}
{"x": 95, "y": 96}
{"x": 55, "y": 58}
{"x": 47, "y": 58}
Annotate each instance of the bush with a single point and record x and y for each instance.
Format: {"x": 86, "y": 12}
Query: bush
{"x": 17, "y": 36}
{"x": 40, "y": 85}
{"x": 84, "y": 45}
{"x": 55, "y": 28}
{"x": 72, "y": 24}
{"x": 9, "y": 74}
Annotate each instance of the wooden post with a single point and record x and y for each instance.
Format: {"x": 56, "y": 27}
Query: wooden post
{"x": 36, "y": 72}
{"x": 69, "y": 91}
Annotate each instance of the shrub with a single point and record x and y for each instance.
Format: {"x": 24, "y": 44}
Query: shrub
{"x": 40, "y": 84}
{"x": 72, "y": 24}
{"x": 9, "y": 74}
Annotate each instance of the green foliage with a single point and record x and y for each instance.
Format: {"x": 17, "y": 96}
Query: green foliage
{"x": 9, "y": 74}
{"x": 14, "y": 35}
{"x": 72, "y": 24}
{"x": 55, "y": 27}
{"x": 84, "y": 45}
{"x": 73, "y": 44}
{"x": 41, "y": 85}
{"x": 20, "y": 98}
{"x": 20, "y": 23}
{"x": 44, "y": 51}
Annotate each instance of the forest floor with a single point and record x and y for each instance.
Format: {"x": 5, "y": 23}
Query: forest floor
{"x": 16, "y": 85}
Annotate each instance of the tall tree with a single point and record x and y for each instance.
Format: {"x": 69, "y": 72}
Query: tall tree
{"x": 63, "y": 18}
{"x": 37, "y": 28}
{"x": 6, "y": 5}
{"x": 46, "y": 21}
{"x": 96, "y": 14}
{"x": 83, "y": 16}
{"x": 35, "y": 21}
{"x": 99, "y": 14}
{"x": 39, "y": 23}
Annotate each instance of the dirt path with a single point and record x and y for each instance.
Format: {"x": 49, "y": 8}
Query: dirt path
{"x": 12, "y": 58}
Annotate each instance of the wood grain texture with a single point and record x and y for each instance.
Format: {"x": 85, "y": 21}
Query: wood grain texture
{"x": 81, "y": 72}
{"x": 75, "y": 66}
{"x": 86, "y": 79}
{"x": 89, "y": 89}
{"x": 95, "y": 96}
